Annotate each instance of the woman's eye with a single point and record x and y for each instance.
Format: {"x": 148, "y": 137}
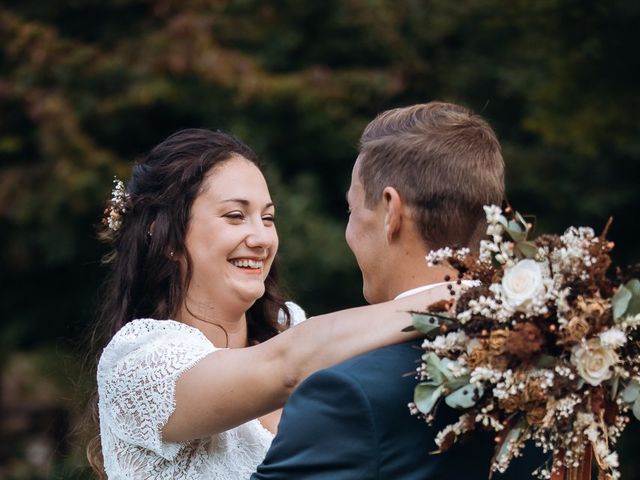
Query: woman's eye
{"x": 269, "y": 218}
{"x": 235, "y": 215}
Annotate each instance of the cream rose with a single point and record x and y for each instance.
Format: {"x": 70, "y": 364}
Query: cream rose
{"x": 522, "y": 282}
{"x": 594, "y": 361}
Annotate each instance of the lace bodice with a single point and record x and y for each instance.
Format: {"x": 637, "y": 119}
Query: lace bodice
{"x": 137, "y": 374}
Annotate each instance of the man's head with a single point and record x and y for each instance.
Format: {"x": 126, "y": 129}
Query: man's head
{"x": 423, "y": 174}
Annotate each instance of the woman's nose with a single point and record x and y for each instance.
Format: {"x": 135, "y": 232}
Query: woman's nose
{"x": 261, "y": 235}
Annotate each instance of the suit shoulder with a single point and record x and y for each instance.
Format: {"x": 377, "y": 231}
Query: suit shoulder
{"x": 385, "y": 375}
{"x": 402, "y": 358}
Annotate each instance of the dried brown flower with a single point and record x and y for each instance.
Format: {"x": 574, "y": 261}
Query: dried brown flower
{"x": 611, "y": 412}
{"x": 598, "y": 401}
{"x": 592, "y": 307}
{"x": 497, "y": 341}
{"x": 499, "y": 362}
{"x": 440, "y": 306}
{"x": 448, "y": 441}
{"x": 600, "y": 253}
{"x": 524, "y": 340}
{"x": 535, "y": 413}
{"x": 561, "y": 383}
{"x": 534, "y": 392}
{"x": 576, "y": 330}
{"x": 477, "y": 356}
{"x": 552, "y": 242}
{"x": 511, "y": 403}
{"x": 595, "y": 311}
{"x": 472, "y": 293}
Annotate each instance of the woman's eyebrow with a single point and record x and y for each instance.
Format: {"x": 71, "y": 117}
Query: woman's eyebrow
{"x": 241, "y": 201}
{"x": 244, "y": 202}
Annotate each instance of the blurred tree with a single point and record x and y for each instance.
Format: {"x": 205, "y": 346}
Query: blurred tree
{"x": 86, "y": 86}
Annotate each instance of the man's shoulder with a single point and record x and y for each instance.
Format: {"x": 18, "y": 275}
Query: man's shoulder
{"x": 402, "y": 355}
{"x": 381, "y": 375}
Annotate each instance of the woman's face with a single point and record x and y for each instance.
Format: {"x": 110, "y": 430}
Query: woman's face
{"x": 231, "y": 236}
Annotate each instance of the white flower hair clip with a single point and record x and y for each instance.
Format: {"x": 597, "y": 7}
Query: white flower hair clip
{"x": 117, "y": 206}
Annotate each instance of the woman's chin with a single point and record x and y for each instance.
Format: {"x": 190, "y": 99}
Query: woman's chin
{"x": 249, "y": 295}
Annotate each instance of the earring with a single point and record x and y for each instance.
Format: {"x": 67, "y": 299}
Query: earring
{"x": 171, "y": 253}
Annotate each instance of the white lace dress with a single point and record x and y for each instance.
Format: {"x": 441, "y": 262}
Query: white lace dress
{"x": 137, "y": 375}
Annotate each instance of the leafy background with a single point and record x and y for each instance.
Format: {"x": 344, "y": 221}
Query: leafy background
{"x": 86, "y": 86}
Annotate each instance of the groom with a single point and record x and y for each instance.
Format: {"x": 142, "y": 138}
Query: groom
{"x": 419, "y": 183}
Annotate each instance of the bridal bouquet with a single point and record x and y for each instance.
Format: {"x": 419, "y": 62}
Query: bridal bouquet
{"x": 544, "y": 347}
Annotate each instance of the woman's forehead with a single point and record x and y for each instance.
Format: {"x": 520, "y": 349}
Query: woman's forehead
{"x": 236, "y": 178}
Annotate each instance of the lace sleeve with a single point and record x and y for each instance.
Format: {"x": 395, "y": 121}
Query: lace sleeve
{"x": 137, "y": 375}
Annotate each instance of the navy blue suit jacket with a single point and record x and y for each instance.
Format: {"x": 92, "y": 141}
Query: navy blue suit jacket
{"x": 352, "y": 422}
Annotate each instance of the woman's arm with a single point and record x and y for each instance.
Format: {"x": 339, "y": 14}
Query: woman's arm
{"x": 232, "y": 386}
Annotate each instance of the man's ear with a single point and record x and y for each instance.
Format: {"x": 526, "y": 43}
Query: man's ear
{"x": 393, "y": 207}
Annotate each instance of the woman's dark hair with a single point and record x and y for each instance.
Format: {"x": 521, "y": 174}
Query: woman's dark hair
{"x": 144, "y": 280}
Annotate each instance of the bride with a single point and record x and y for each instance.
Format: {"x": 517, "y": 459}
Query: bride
{"x": 197, "y": 363}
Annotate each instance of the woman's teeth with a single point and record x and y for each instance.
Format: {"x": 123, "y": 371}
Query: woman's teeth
{"x": 242, "y": 263}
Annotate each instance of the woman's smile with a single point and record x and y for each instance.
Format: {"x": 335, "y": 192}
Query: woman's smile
{"x": 248, "y": 265}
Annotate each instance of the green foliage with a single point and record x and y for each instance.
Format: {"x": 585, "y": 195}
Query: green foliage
{"x": 87, "y": 86}
{"x": 427, "y": 324}
{"x": 464, "y": 397}
{"x": 425, "y": 396}
{"x": 626, "y": 301}
{"x": 459, "y": 393}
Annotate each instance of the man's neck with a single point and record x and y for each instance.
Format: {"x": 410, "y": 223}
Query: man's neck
{"x": 404, "y": 281}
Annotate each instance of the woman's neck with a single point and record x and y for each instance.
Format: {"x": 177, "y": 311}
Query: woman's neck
{"x": 222, "y": 328}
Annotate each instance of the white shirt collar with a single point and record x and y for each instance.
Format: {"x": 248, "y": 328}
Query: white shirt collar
{"x": 413, "y": 291}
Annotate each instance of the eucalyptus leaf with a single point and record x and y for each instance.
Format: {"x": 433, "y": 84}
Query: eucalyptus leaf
{"x": 432, "y": 364}
{"x": 620, "y": 302}
{"x": 445, "y": 367}
{"x": 516, "y": 231}
{"x": 633, "y": 308}
{"x": 521, "y": 219}
{"x": 425, "y": 323}
{"x": 636, "y": 408}
{"x": 545, "y": 361}
{"x": 425, "y": 396}
{"x": 631, "y": 392}
{"x": 457, "y": 382}
{"x": 465, "y": 397}
{"x": 527, "y": 249}
{"x": 511, "y": 436}
{"x": 634, "y": 286}
{"x": 615, "y": 385}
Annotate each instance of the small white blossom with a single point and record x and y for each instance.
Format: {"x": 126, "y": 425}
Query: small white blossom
{"x": 493, "y": 213}
{"x": 613, "y": 338}
{"x": 495, "y": 230}
{"x": 442, "y": 255}
{"x": 458, "y": 428}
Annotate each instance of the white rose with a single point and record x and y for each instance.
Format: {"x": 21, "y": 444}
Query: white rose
{"x": 522, "y": 282}
{"x": 594, "y": 361}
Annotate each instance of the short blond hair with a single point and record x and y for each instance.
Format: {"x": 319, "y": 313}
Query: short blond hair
{"x": 445, "y": 162}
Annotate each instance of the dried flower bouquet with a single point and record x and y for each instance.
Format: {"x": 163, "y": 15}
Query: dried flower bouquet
{"x": 544, "y": 347}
